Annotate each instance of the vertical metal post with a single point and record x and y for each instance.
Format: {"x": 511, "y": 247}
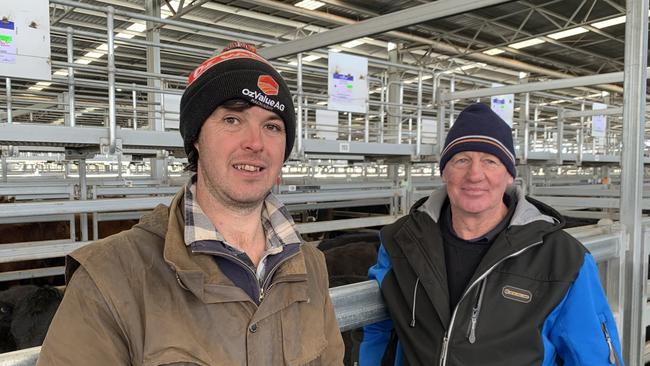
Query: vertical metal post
{"x": 83, "y": 195}
{"x": 401, "y": 112}
{"x": 69, "y": 44}
{"x": 349, "y": 126}
{"x": 382, "y": 106}
{"x": 3, "y": 159}
{"x": 535, "y": 118}
{"x": 523, "y": 159}
{"x": 440, "y": 129}
{"x": 162, "y": 105}
{"x": 299, "y": 112}
{"x": 634, "y": 97}
{"x": 305, "y": 117}
{"x": 111, "y": 79}
{"x": 134, "y": 100}
{"x": 560, "y": 134}
{"x": 366, "y": 123}
{"x": 418, "y": 136}
{"x": 581, "y": 136}
{"x": 9, "y": 114}
{"x": 452, "y": 106}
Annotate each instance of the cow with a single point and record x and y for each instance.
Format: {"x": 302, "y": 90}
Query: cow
{"x": 25, "y": 315}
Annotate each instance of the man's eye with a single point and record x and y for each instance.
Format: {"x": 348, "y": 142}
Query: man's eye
{"x": 230, "y": 120}
{"x": 275, "y": 127}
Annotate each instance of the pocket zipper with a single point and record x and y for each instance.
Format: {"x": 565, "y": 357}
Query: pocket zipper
{"x": 608, "y": 339}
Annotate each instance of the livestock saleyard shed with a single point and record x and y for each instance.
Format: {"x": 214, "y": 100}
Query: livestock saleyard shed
{"x": 89, "y": 116}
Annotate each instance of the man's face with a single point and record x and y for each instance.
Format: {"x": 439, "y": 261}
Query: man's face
{"x": 241, "y": 153}
{"x": 476, "y": 182}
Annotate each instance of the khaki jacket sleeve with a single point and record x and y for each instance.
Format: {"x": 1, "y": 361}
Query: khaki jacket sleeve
{"x": 333, "y": 354}
{"x": 84, "y": 330}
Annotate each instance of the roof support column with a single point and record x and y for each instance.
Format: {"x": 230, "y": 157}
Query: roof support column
{"x": 636, "y": 50}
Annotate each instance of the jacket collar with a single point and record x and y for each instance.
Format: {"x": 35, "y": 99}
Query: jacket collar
{"x": 199, "y": 273}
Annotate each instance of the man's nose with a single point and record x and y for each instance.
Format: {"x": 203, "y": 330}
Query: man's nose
{"x": 253, "y": 139}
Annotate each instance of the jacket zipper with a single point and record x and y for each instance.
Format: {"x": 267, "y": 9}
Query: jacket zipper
{"x": 261, "y": 287}
{"x": 270, "y": 274}
{"x": 613, "y": 359}
{"x": 447, "y": 336}
{"x": 471, "y": 336}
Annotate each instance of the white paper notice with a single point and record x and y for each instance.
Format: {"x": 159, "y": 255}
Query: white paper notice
{"x": 7, "y": 42}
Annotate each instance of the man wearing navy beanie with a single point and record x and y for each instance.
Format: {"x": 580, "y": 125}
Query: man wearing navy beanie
{"x": 479, "y": 274}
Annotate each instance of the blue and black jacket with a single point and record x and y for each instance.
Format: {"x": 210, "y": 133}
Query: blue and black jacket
{"x": 535, "y": 298}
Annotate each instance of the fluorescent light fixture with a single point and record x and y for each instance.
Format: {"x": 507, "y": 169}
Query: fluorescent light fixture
{"x": 40, "y": 85}
{"x": 311, "y": 58}
{"x": 527, "y": 43}
{"x": 494, "y": 51}
{"x": 62, "y": 72}
{"x": 391, "y": 46}
{"x": 309, "y": 4}
{"x": 93, "y": 55}
{"x": 125, "y": 35}
{"x": 523, "y": 75}
{"x": 568, "y": 33}
{"x": 609, "y": 22}
{"x": 137, "y": 27}
{"x": 335, "y": 50}
{"x": 83, "y": 61}
{"x": 102, "y": 47}
{"x": 293, "y": 63}
{"x": 353, "y": 43}
{"x": 322, "y": 102}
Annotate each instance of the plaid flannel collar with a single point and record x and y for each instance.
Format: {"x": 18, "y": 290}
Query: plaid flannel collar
{"x": 277, "y": 222}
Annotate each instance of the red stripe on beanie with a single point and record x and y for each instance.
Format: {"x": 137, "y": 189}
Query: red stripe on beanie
{"x": 224, "y": 56}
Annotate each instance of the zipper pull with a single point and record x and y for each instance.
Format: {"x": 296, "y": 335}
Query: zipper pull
{"x": 445, "y": 344}
{"x": 608, "y": 339}
{"x": 261, "y": 294}
{"x": 472, "y": 329}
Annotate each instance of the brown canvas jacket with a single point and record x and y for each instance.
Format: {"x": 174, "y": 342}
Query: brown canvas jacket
{"x": 141, "y": 298}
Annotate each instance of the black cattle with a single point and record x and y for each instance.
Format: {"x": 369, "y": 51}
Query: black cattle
{"x": 25, "y": 315}
{"x": 348, "y": 258}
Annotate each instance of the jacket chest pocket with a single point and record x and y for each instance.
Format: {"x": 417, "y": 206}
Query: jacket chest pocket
{"x": 303, "y": 334}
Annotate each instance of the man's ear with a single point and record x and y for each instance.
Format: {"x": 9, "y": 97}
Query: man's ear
{"x": 278, "y": 180}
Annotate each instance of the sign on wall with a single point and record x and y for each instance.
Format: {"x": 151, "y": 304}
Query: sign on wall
{"x": 598, "y": 123}
{"x": 25, "y": 39}
{"x": 503, "y": 105}
{"x": 327, "y": 124}
{"x": 347, "y": 83}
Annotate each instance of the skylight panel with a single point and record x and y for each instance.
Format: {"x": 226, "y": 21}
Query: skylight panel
{"x": 309, "y": 4}
{"x": 568, "y": 33}
{"x": 353, "y": 43}
{"x": 494, "y": 51}
{"x": 527, "y": 43}
{"x": 609, "y": 22}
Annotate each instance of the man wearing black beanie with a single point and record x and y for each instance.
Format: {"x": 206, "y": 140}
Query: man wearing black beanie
{"x": 479, "y": 274}
{"x": 221, "y": 277}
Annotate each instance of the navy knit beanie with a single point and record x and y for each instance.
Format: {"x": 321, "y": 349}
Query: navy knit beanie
{"x": 236, "y": 73}
{"x": 478, "y": 128}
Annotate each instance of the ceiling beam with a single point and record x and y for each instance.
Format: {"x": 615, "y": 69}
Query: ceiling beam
{"x": 381, "y": 24}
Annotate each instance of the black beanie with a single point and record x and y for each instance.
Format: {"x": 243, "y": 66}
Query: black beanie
{"x": 236, "y": 73}
{"x": 478, "y": 128}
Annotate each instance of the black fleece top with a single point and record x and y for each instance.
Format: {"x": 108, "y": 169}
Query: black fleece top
{"x": 463, "y": 256}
